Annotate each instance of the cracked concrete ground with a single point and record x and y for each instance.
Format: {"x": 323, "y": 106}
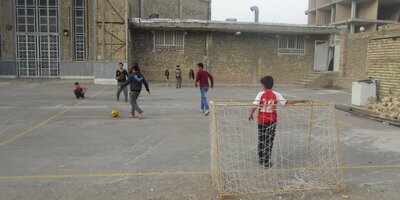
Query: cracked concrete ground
{"x": 55, "y": 147}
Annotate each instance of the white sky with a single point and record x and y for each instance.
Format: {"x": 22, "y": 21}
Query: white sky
{"x": 279, "y": 11}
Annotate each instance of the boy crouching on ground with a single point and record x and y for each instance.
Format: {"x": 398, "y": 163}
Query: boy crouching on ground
{"x": 79, "y": 91}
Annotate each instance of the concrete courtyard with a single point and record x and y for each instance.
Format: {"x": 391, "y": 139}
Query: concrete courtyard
{"x": 53, "y": 146}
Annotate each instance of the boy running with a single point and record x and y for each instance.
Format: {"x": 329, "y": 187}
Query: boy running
{"x": 202, "y": 78}
{"x": 79, "y": 91}
{"x": 121, "y": 75}
{"x": 266, "y": 102}
{"x": 136, "y": 80}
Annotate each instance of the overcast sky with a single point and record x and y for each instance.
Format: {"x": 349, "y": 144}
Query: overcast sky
{"x": 280, "y": 11}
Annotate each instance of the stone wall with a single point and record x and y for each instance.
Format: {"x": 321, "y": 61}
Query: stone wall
{"x": 230, "y": 58}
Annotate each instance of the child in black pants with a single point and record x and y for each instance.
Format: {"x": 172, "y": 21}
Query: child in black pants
{"x": 266, "y": 101}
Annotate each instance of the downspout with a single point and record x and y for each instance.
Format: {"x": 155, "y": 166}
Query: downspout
{"x": 256, "y": 13}
{"x": 209, "y": 10}
{"x": 180, "y": 9}
{"x": 141, "y": 8}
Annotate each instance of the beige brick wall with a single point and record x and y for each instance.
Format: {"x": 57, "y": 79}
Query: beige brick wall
{"x": 7, "y": 35}
{"x": 195, "y": 9}
{"x": 356, "y": 56}
{"x": 154, "y": 63}
{"x": 114, "y": 36}
{"x": 191, "y": 9}
{"x": 383, "y": 63}
{"x": 231, "y": 59}
{"x": 165, "y": 8}
{"x": 354, "y": 53}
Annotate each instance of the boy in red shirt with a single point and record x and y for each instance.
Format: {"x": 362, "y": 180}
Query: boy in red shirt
{"x": 202, "y": 78}
{"x": 79, "y": 91}
{"x": 266, "y": 102}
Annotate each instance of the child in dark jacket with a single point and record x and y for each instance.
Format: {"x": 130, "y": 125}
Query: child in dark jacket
{"x": 136, "y": 80}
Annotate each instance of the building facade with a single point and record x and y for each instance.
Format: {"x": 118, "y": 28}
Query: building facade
{"x": 233, "y": 52}
{"x": 357, "y": 15}
{"x": 371, "y": 55}
{"x": 87, "y": 38}
{"x": 76, "y": 38}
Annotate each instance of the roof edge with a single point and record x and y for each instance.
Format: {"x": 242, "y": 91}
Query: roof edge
{"x": 209, "y": 25}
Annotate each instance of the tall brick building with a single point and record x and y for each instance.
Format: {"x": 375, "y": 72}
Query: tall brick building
{"x": 86, "y": 38}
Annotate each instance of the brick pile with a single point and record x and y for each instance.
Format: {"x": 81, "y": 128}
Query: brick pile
{"x": 389, "y": 107}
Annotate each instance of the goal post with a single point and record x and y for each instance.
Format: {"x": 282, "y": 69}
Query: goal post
{"x": 303, "y": 149}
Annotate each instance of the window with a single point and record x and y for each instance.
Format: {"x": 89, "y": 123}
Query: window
{"x": 79, "y": 30}
{"x": 169, "y": 40}
{"x": 291, "y": 45}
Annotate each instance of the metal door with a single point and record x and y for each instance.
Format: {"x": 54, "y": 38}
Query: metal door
{"x": 321, "y": 55}
{"x": 37, "y": 38}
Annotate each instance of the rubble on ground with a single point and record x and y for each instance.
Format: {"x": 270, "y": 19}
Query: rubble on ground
{"x": 389, "y": 107}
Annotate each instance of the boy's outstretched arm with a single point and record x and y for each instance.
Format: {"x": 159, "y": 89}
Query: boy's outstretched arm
{"x": 253, "y": 109}
{"x": 130, "y": 79}
{"x": 293, "y": 102}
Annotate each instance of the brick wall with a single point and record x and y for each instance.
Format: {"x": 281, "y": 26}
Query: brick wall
{"x": 7, "y": 35}
{"x": 195, "y": 9}
{"x": 383, "y": 63}
{"x": 191, "y": 9}
{"x": 154, "y": 63}
{"x": 354, "y": 55}
{"x": 165, "y": 8}
{"x": 230, "y": 58}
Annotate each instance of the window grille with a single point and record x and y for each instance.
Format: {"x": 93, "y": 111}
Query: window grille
{"x": 169, "y": 40}
{"x": 292, "y": 45}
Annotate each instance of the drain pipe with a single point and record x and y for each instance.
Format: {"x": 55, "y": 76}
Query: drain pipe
{"x": 256, "y": 13}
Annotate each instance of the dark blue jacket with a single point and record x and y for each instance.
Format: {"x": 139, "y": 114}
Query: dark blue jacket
{"x": 136, "y": 80}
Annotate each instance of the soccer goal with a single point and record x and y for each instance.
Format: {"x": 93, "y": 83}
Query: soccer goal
{"x": 305, "y": 155}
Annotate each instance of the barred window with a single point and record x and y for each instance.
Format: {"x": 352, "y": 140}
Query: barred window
{"x": 79, "y": 30}
{"x": 291, "y": 45}
{"x": 169, "y": 40}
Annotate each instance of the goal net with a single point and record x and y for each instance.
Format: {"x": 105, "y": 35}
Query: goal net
{"x": 303, "y": 156}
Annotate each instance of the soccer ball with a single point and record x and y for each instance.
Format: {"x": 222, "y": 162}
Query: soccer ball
{"x": 114, "y": 113}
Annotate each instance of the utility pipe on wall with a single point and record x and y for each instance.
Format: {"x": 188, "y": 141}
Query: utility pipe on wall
{"x": 256, "y": 13}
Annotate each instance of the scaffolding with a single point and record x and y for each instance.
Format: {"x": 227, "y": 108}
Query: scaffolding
{"x": 110, "y": 30}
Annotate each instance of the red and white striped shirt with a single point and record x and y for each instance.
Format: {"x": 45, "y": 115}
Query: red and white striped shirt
{"x": 267, "y": 101}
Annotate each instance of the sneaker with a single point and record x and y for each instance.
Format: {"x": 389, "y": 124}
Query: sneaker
{"x": 141, "y": 115}
{"x": 268, "y": 164}
{"x": 132, "y": 115}
{"x": 207, "y": 112}
{"x": 201, "y": 110}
